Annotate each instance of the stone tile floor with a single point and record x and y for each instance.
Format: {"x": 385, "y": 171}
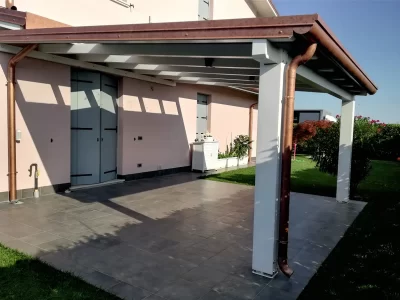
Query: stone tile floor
{"x": 171, "y": 237}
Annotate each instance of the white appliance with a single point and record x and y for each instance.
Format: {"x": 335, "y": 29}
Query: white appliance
{"x": 204, "y": 156}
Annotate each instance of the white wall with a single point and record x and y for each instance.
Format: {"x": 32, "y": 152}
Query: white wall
{"x": 231, "y": 9}
{"x": 107, "y": 12}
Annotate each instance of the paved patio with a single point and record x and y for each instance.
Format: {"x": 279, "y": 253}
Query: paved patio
{"x": 172, "y": 237}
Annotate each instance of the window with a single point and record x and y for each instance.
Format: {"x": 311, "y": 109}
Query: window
{"x": 121, "y": 2}
{"x": 204, "y": 9}
{"x": 202, "y": 114}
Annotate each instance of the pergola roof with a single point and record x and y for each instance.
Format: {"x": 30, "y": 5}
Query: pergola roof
{"x": 206, "y": 52}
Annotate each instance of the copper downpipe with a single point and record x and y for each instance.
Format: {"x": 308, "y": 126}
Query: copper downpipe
{"x": 286, "y": 157}
{"x": 10, "y": 4}
{"x": 12, "y": 149}
{"x": 251, "y": 111}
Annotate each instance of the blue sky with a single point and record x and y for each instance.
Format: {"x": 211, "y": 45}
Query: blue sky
{"x": 369, "y": 29}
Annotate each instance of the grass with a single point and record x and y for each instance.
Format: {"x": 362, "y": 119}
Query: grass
{"x": 366, "y": 262}
{"x": 305, "y": 178}
{"x": 23, "y": 277}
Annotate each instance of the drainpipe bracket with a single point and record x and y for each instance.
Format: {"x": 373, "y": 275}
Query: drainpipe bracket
{"x": 16, "y": 202}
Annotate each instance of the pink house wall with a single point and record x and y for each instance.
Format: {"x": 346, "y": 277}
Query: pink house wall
{"x": 166, "y": 119}
{"x": 43, "y": 113}
{"x": 230, "y": 116}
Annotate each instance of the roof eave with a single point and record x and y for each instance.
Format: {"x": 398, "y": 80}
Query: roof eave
{"x": 321, "y": 34}
{"x": 13, "y": 17}
{"x": 309, "y": 26}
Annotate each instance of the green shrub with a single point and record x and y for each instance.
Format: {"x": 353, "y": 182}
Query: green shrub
{"x": 387, "y": 143}
{"x": 324, "y": 148}
{"x": 224, "y": 155}
{"x": 240, "y": 148}
{"x": 229, "y": 152}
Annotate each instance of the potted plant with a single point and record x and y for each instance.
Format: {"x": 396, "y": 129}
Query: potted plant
{"x": 208, "y": 137}
{"x": 235, "y": 153}
{"x": 241, "y": 146}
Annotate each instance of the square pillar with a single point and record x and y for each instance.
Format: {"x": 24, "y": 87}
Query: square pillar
{"x": 268, "y": 169}
{"x": 345, "y": 151}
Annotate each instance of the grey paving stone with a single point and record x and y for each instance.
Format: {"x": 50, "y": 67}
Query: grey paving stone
{"x": 183, "y": 290}
{"x": 102, "y": 242}
{"x": 151, "y": 279}
{"x": 23, "y": 247}
{"x": 246, "y": 272}
{"x": 212, "y": 245}
{"x": 100, "y": 280}
{"x": 153, "y": 297}
{"x": 5, "y": 238}
{"x": 57, "y": 244}
{"x": 205, "y": 276}
{"x": 224, "y": 264}
{"x": 40, "y": 238}
{"x": 61, "y": 261}
{"x": 172, "y": 231}
{"x": 238, "y": 251}
{"x": 290, "y": 285}
{"x": 128, "y": 292}
{"x": 269, "y": 293}
{"x": 154, "y": 244}
{"x": 19, "y": 230}
{"x": 190, "y": 254}
{"x": 238, "y": 288}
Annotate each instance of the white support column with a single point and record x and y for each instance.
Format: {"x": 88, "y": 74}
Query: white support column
{"x": 345, "y": 151}
{"x": 268, "y": 169}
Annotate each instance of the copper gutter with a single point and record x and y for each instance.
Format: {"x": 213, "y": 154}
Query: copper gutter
{"x": 286, "y": 157}
{"x": 322, "y": 35}
{"x": 251, "y": 111}
{"x": 9, "y": 4}
{"x": 12, "y": 16}
{"x": 12, "y": 149}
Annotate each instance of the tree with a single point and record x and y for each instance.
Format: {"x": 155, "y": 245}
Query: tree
{"x": 305, "y": 131}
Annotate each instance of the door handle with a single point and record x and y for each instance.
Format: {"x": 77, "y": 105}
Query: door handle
{"x": 97, "y": 139}
{"x": 102, "y": 139}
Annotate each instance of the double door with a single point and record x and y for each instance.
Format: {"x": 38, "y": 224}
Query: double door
{"x": 93, "y": 127}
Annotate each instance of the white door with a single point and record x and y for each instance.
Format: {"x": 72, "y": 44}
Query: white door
{"x": 93, "y": 127}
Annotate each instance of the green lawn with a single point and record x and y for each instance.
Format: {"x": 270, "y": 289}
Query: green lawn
{"x": 23, "y": 277}
{"x": 384, "y": 178}
{"x": 366, "y": 262}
